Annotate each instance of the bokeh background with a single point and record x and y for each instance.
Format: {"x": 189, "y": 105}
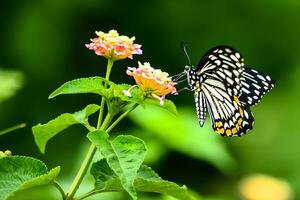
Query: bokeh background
{"x": 44, "y": 40}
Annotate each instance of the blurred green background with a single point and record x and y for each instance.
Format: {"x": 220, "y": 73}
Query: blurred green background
{"x": 45, "y": 40}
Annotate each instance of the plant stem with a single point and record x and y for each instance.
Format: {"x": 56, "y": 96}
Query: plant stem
{"x": 86, "y": 195}
{"x": 108, "y": 70}
{"x": 92, "y": 150}
{"x": 120, "y": 118}
{"x": 83, "y": 169}
{"x": 60, "y": 190}
{"x": 86, "y": 163}
{"x": 13, "y": 128}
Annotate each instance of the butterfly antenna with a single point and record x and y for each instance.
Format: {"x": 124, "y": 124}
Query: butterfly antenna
{"x": 183, "y": 47}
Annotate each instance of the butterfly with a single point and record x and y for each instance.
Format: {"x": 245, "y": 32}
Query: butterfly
{"x": 225, "y": 88}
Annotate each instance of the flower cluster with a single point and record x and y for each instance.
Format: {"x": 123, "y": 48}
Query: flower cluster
{"x": 111, "y": 45}
{"x": 263, "y": 187}
{"x": 153, "y": 82}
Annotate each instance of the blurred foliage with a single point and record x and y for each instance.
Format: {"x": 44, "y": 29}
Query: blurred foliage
{"x": 11, "y": 82}
{"x": 172, "y": 134}
{"x": 46, "y": 38}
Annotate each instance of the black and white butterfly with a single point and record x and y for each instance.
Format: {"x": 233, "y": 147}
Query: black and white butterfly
{"x": 227, "y": 89}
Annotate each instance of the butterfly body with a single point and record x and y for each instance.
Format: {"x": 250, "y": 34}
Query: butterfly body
{"x": 224, "y": 87}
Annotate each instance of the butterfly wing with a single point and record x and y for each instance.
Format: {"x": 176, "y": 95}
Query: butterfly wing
{"x": 229, "y": 117}
{"x": 254, "y": 85}
{"x": 221, "y": 70}
{"x": 225, "y": 64}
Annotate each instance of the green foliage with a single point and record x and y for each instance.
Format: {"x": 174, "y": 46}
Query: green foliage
{"x": 11, "y": 82}
{"x": 138, "y": 98}
{"x": 168, "y": 105}
{"x": 113, "y": 93}
{"x": 96, "y": 85}
{"x": 44, "y": 132}
{"x": 124, "y": 155}
{"x": 20, "y": 172}
{"x": 146, "y": 180}
{"x": 182, "y": 133}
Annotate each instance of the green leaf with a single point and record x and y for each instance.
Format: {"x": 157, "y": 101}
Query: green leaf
{"x": 124, "y": 155}
{"x": 44, "y": 132}
{"x": 112, "y": 92}
{"x": 146, "y": 180}
{"x": 183, "y": 133}
{"x": 11, "y": 82}
{"x": 94, "y": 85}
{"x": 137, "y": 95}
{"x": 20, "y": 172}
{"x": 168, "y": 105}
{"x": 119, "y": 100}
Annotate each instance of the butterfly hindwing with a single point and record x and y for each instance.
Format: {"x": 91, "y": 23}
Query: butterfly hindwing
{"x": 228, "y": 116}
{"x": 254, "y": 85}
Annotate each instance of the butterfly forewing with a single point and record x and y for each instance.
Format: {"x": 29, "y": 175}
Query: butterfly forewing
{"x": 223, "y": 63}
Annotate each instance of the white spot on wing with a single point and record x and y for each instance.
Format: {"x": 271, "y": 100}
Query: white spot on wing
{"x": 246, "y": 91}
{"x": 228, "y": 73}
{"x": 261, "y": 77}
{"x": 234, "y": 58}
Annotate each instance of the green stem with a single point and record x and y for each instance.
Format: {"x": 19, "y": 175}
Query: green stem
{"x": 83, "y": 169}
{"x": 13, "y": 128}
{"x": 108, "y": 71}
{"x": 86, "y": 195}
{"x": 92, "y": 150}
{"x": 120, "y": 118}
{"x": 60, "y": 190}
{"x": 86, "y": 163}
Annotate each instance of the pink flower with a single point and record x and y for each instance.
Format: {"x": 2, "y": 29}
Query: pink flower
{"x": 111, "y": 45}
{"x": 153, "y": 82}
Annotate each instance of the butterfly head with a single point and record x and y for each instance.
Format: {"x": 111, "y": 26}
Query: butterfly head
{"x": 187, "y": 68}
{"x": 192, "y": 76}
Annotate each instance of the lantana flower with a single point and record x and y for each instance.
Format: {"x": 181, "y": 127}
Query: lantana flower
{"x": 153, "y": 82}
{"x": 111, "y": 45}
{"x": 263, "y": 187}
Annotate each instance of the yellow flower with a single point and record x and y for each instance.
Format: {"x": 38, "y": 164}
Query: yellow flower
{"x": 153, "y": 82}
{"x": 263, "y": 187}
{"x": 5, "y": 153}
{"x": 111, "y": 45}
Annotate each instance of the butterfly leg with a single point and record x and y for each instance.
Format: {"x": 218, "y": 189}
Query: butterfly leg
{"x": 185, "y": 88}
